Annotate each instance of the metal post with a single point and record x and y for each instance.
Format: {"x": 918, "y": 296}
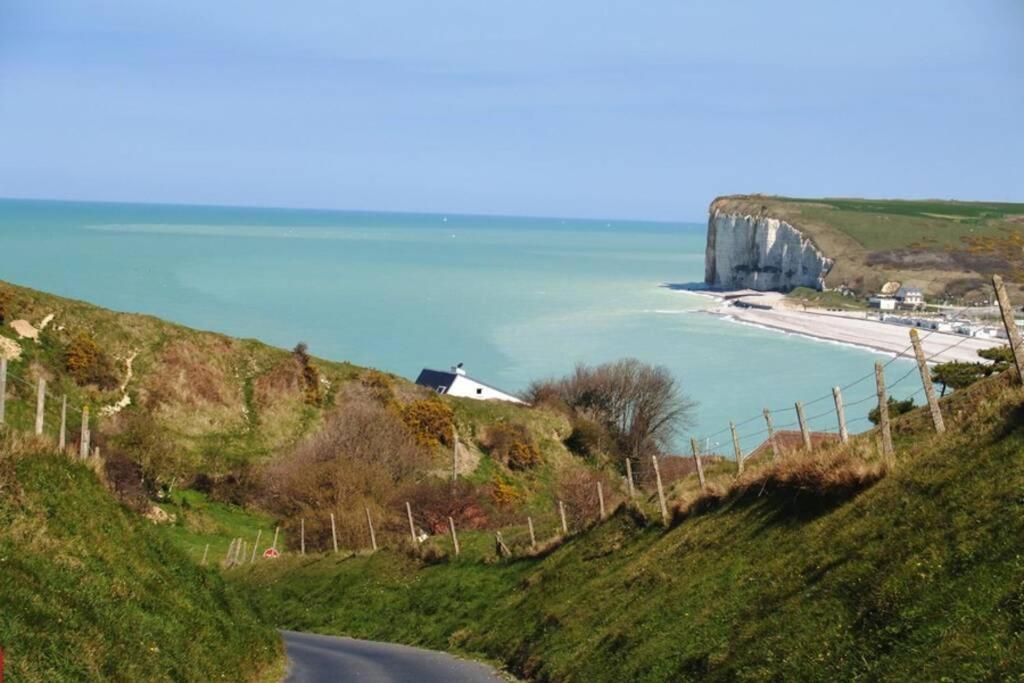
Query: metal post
{"x": 837, "y": 394}
{"x": 926, "y": 380}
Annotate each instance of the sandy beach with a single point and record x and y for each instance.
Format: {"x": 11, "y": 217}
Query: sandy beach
{"x": 849, "y": 328}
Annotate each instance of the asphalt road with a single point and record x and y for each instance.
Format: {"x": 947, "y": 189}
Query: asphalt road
{"x": 323, "y": 659}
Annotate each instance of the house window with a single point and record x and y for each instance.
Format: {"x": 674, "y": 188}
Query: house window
{"x": 440, "y": 388}
{"x": 479, "y": 392}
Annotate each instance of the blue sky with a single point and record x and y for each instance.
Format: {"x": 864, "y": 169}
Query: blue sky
{"x": 574, "y": 108}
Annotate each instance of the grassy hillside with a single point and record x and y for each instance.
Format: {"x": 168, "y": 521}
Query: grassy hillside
{"x": 205, "y": 403}
{"x": 790, "y": 575}
{"x": 948, "y": 248}
{"x": 90, "y": 591}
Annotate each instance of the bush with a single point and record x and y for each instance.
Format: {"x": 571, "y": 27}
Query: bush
{"x": 503, "y": 494}
{"x": 431, "y": 422}
{"x": 87, "y": 363}
{"x": 434, "y": 501}
{"x": 588, "y": 439}
{"x": 512, "y": 445}
{"x": 313, "y": 394}
{"x": 379, "y": 385}
{"x": 125, "y": 479}
{"x": 896, "y": 408}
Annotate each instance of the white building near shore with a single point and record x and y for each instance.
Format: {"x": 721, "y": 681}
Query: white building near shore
{"x": 457, "y": 383}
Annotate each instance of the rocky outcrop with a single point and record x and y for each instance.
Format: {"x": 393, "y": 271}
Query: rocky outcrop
{"x": 760, "y": 252}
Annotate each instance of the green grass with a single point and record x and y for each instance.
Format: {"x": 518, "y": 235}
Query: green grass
{"x": 199, "y": 522}
{"x": 90, "y": 591}
{"x": 829, "y": 299}
{"x": 920, "y": 577}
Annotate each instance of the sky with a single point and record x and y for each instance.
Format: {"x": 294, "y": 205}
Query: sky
{"x": 586, "y": 108}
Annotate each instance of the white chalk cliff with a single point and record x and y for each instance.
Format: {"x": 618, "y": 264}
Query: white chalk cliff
{"x": 759, "y": 252}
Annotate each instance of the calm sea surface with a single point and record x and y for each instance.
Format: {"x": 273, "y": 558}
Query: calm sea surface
{"x": 514, "y": 298}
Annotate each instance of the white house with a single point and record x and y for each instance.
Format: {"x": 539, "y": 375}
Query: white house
{"x": 457, "y": 383}
{"x": 882, "y": 302}
{"x": 910, "y": 297}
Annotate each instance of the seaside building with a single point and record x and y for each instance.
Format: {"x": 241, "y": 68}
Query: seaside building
{"x": 882, "y": 302}
{"x": 910, "y": 297}
{"x": 457, "y": 383}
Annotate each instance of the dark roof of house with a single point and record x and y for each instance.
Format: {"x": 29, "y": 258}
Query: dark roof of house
{"x": 435, "y": 378}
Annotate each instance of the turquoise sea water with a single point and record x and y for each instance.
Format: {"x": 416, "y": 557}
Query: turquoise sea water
{"x": 513, "y": 298}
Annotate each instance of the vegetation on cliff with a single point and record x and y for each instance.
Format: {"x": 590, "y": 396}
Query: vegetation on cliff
{"x": 948, "y": 248}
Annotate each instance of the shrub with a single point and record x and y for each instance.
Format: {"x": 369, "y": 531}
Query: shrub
{"x": 431, "y": 422}
{"x": 87, "y": 363}
{"x": 3, "y": 308}
{"x": 895, "y": 408}
{"x": 434, "y": 501}
{"x": 577, "y": 488}
{"x": 504, "y": 494}
{"x": 512, "y": 445}
{"x": 588, "y": 439}
{"x": 124, "y": 477}
{"x": 310, "y": 375}
{"x": 379, "y": 385}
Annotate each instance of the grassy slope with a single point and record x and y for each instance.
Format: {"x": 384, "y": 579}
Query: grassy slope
{"x": 224, "y": 402}
{"x": 90, "y": 591}
{"x": 937, "y": 233}
{"x": 919, "y": 577}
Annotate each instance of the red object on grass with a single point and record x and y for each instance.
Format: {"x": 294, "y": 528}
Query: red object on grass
{"x": 269, "y": 553}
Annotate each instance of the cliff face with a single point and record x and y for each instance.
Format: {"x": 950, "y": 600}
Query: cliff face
{"x": 758, "y": 252}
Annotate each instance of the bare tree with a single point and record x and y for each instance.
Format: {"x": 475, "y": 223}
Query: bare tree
{"x": 640, "y": 404}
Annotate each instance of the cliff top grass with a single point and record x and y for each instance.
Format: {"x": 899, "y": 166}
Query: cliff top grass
{"x": 821, "y": 568}
{"x": 949, "y": 248}
{"x": 91, "y": 591}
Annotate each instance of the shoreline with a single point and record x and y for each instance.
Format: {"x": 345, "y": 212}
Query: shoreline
{"x": 846, "y": 329}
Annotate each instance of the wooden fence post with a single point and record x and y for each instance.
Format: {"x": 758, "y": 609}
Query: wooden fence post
{"x": 83, "y": 444}
{"x": 62, "y": 438}
{"x": 1012, "y": 333}
{"x": 698, "y": 463}
{"x": 837, "y": 394}
{"x": 629, "y": 479}
{"x": 805, "y": 431}
{"x": 883, "y": 411}
{"x": 231, "y": 548}
{"x": 533, "y": 536}
{"x": 412, "y": 527}
{"x": 737, "y": 451}
{"x": 245, "y": 550}
{"x": 661, "y": 491}
{"x": 3, "y": 388}
{"x": 776, "y": 449}
{"x": 334, "y": 534}
{"x": 561, "y": 513}
{"x": 302, "y": 535}
{"x": 256, "y": 546}
{"x": 455, "y": 456}
{"x": 455, "y": 536}
{"x": 276, "y": 530}
{"x": 373, "y": 536}
{"x": 206, "y": 551}
{"x": 40, "y": 404}
{"x": 600, "y": 499}
{"x": 926, "y": 380}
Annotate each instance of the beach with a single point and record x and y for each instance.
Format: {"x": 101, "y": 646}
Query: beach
{"x": 846, "y": 328}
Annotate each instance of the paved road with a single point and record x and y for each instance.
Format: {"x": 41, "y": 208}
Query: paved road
{"x": 323, "y": 659}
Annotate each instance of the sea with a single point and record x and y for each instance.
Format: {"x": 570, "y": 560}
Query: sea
{"x": 513, "y": 298}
